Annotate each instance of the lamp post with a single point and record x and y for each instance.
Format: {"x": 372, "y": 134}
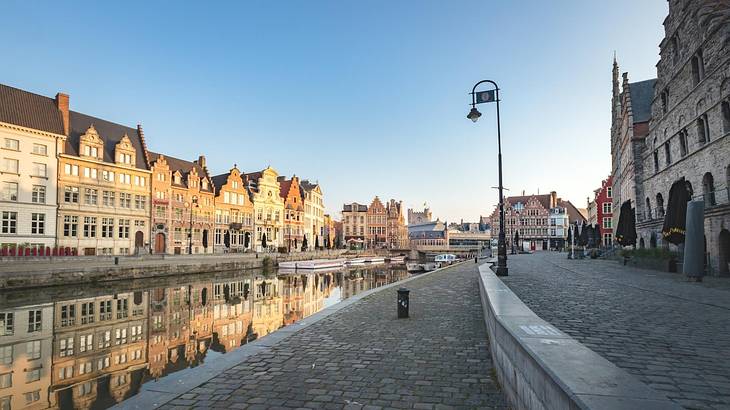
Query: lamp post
{"x": 474, "y": 114}
{"x": 192, "y": 205}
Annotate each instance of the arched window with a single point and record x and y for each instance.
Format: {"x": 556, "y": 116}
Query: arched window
{"x": 698, "y": 67}
{"x": 648, "y": 208}
{"x": 708, "y": 189}
{"x": 683, "y": 148}
{"x": 703, "y": 129}
{"x": 659, "y": 206}
{"x": 726, "y": 116}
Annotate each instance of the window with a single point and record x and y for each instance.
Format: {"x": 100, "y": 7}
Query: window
{"x": 726, "y": 116}
{"x": 39, "y": 170}
{"x": 107, "y": 227}
{"x": 66, "y": 347}
{"x": 68, "y": 315}
{"x": 122, "y": 309}
{"x": 6, "y": 380}
{"x": 105, "y": 310}
{"x": 665, "y": 100}
{"x": 668, "y": 153}
{"x": 160, "y": 211}
{"x": 9, "y": 222}
{"x": 87, "y": 313}
{"x": 12, "y": 144}
{"x": 86, "y": 343}
{"x": 607, "y": 207}
{"x": 90, "y": 173}
{"x": 6, "y": 354}
{"x": 120, "y": 336}
{"x": 124, "y": 229}
{"x": 137, "y": 333}
{"x": 10, "y": 191}
{"x": 140, "y": 202}
{"x": 125, "y": 179}
{"x": 33, "y": 396}
{"x": 659, "y": 206}
{"x": 107, "y": 198}
{"x": 125, "y": 158}
{"x": 656, "y": 161}
{"x": 71, "y": 169}
{"x": 160, "y": 176}
{"x": 7, "y": 323}
{"x": 40, "y": 149}
{"x": 34, "y": 321}
{"x": 70, "y": 225}
{"x": 698, "y": 67}
{"x": 85, "y": 368}
{"x": 91, "y": 151}
{"x": 683, "y": 142}
{"x": 91, "y": 196}
{"x": 89, "y": 227}
{"x": 33, "y": 349}
{"x": 38, "y": 195}
{"x": 105, "y": 339}
{"x": 85, "y": 389}
{"x": 703, "y": 129}
{"x": 10, "y": 165}
{"x": 607, "y": 239}
{"x": 125, "y": 200}
{"x": 66, "y": 372}
{"x": 609, "y": 192}
{"x": 71, "y": 194}
{"x": 107, "y": 176}
{"x": 5, "y": 402}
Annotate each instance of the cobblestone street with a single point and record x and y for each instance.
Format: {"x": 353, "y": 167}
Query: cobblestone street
{"x": 364, "y": 357}
{"x": 673, "y": 335}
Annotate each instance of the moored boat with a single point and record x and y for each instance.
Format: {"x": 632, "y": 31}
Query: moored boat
{"x": 397, "y": 259}
{"x": 313, "y": 264}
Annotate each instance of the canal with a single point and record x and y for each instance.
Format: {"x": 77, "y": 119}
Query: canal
{"x": 93, "y": 346}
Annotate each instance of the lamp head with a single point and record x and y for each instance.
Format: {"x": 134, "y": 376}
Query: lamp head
{"x": 474, "y": 114}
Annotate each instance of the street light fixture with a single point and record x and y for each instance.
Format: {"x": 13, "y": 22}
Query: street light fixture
{"x": 192, "y": 205}
{"x": 474, "y": 114}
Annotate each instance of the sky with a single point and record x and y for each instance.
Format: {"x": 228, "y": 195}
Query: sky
{"x": 366, "y": 97}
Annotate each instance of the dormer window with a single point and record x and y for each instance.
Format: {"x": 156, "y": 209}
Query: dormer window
{"x": 91, "y": 151}
{"x": 178, "y": 180}
{"x": 205, "y": 184}
{"x": 91, "y": 144}
{"x": 124, "y": 152}
{"x": 125, "y": 159}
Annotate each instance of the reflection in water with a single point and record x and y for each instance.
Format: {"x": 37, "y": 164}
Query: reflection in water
{"x": 94, "y": 351}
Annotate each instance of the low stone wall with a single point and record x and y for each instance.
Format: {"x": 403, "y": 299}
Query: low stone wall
{"x": 540, "y": 367}
{"x": 75, "y": 272}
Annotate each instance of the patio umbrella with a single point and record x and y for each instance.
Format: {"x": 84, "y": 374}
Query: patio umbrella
{"x": 227, "y": 239}
{"x": 626, "y": 229}
{"x": 597, "y": 235}
{"x": 263, "y": 241}
{"x": 583, "y": 238}
{"x": 517, "y": 238}
{"x": 304, "y": 244}
{"x": 570, "y": 234}
{"x": 675, "y": 219}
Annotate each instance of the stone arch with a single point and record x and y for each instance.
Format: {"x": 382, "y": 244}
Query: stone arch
{"x": 724, "y": 251}
{"x": 708, "y": 189}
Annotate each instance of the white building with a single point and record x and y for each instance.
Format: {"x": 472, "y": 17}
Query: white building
{"x": 30, "y": 140}
{"x": 313, "y": 213}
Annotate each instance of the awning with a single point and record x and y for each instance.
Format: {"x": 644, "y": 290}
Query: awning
{"x": 675, "y": 218}
{"x": 626, "y": 229}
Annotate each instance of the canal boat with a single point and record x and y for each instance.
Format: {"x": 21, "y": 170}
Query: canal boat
{"x": 375, "y": 259}
{"x": 355, "y": 261}
{"x": 397, "y": 259}
{"x": 313, "y": 264}
{"x": 422, "y": 267}
{"x": 445, "y": 258}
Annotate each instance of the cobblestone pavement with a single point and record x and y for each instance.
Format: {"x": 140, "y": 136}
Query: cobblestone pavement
{"x": 672, "y": 334}
{"x": 364, "y": 357}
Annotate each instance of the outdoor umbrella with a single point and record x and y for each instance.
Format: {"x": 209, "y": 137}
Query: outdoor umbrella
{"x": 227, "y": 239}
{"x": 316, "y": 242}
{"x": 626, "y": 229}
{"x": 597, "y": 235}
{"x": 676, "y": 215}
{"x": 583, "y": 238}
{"x": 304, "y": 244}
{"x": 263, "y": 241}
{"x": 570, "y": 234}
{"x": 517, "y": 238}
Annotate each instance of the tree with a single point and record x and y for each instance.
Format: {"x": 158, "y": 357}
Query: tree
{"x": 304, "y": 244}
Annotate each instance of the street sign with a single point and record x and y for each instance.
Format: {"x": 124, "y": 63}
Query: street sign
{"x": 485, "y": 96}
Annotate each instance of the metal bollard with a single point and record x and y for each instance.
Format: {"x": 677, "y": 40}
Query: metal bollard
{"x": 403, "y": 301}
{"x": 116, "y": 260}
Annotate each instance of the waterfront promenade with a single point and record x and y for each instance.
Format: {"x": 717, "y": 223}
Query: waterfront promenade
{"x": 362, "y": 356}
{"x": 672, "y": 334}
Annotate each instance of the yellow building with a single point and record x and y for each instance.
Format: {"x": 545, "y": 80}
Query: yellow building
{"x": 182, "y": 199}
{"x": 268, "y": 208}
{"x": 103, "y": 188}
{"x": 233, "y": 212}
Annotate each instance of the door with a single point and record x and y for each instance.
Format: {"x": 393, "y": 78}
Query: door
{"x": 89, "y": 251}
{"x": 160, "y": 243}
{"x": 138, "y": 239}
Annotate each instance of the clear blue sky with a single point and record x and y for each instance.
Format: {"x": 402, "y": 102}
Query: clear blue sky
{"x": 368, "y": 97}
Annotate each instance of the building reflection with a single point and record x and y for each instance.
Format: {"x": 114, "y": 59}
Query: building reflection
{"x": 96, "y": 351}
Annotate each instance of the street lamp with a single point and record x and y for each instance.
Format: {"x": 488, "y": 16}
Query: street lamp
{"x": 190, "y": 232}
{"x": 474, "y": 114}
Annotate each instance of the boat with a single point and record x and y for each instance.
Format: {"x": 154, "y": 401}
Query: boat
{"x": 422, "y": 267}
{"x": 445, "y": 258}
{"x": 355, "y": 261}
{"x": 375, "y": 259}
{"x": 414, "y": 267}
{"x": 313, "y": 264}
{"x": 397, "y": 259}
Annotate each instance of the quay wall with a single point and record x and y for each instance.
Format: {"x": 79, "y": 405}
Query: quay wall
{"x": 540, "y": 367}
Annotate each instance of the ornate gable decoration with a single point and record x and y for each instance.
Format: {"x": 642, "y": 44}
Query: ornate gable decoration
{"x": 91, "y": 136}
{"x": 124, "y": 152}
{"x": 91, "y": 144}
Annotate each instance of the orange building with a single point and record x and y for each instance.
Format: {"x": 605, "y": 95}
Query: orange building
{"x": 293, "y": 212}
{"x": 377, "y": 225}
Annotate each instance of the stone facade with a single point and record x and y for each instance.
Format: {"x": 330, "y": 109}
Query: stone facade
{"x": 183, "y": 198}
{"x": 397, "y": 231}
{"x": 354, "y": 224}
{"x": 690, "y": 123}
{"x": 268, "y": 208}
{"x": 313, "y": 212}
{"x": 417, "y": 217}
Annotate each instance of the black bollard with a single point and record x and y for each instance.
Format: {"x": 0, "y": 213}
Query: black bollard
{"x": 476, "y": 260}
{"x": 116, "y": 260}
{"x": 403, "y": 301}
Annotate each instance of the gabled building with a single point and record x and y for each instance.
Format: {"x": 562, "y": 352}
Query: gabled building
{"x": 234, "y": 213}
{"x": 268, "y": 208}
{"x": 313, "y": 212}
{"x": 293, "y": 212}
{"x": 103, "y": 188}
{"x": 396, "y": 232}
{"x": 182, "y": 199}
{"x": 354, "y": 224}
{"x": 377, "y": 227}
{"x": 33, "y": 131}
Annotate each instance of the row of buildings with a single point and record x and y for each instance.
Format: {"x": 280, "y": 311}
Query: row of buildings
{"x": 677, "y": 126}
{"x": 95, "y": 351}
{"x": 68, "y": 179}
{"x": 375, "y": 226}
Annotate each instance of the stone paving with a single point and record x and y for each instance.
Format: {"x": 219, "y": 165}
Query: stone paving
{"x": 674, "y": 335}
{"x": 363, "y": 357}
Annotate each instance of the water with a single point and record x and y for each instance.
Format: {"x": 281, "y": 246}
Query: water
{"x": 93, "y": 346}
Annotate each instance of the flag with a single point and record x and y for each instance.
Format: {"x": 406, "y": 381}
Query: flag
{"x": 485, "y": 96}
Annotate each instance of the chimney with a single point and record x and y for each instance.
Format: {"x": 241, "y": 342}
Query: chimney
{"x": 62, "y": 105}
{"x": 201, "y": 161}
{"x": 553, "y": 199}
